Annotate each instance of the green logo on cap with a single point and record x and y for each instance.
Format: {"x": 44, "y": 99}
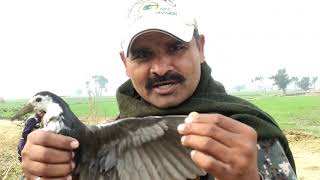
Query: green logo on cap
{"x": 150, "y": 6}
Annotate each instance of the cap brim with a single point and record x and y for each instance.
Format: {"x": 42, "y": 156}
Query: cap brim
{"x": 173, "y": 27}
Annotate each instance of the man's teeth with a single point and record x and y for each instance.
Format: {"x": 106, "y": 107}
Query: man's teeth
{"x": 165, "y": 86}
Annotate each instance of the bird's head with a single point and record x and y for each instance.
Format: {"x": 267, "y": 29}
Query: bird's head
{"x": 43, "y": 101}
{"x": 39, "y": 102}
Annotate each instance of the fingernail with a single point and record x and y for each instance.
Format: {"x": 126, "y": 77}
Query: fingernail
{"x": 193, "y": 152}
{"x": 183, "y": 138}
{"x": 188, "y": 120}
{"x": 74, "y": 144}
{"x": 69, "y": 177}
{"x": 193, "y": 114}
{"x": 181, "y": 127}
{"x": 72, "y": 154}
{"x": 73, "y": 165}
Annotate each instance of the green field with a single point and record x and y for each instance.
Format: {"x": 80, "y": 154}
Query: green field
{"x": 104, "y": 107}
{"x": 8, "y": 108}
{"x": 291, "y": 112}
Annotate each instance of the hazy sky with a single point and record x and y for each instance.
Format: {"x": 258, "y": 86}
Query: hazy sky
{"x": 57, "y": 45}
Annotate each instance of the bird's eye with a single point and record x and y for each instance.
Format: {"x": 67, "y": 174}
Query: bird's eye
{"x": 38, "y": 99}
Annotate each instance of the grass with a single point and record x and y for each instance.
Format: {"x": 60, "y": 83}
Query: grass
{"x": 291, "y": 112}
{"x": 8, "y": 108}
{"x": 105, "y": 107}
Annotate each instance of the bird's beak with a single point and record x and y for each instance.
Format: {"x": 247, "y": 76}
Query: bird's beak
{"x": 26, "y": 109}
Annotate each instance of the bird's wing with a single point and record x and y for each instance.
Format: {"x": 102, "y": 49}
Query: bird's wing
{"x": 141, "y": 148}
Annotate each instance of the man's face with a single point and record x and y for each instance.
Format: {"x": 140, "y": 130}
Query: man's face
{"x": 163, "y": 70}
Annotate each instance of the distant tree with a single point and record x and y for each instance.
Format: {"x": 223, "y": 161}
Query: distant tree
{"x": 259, "y": 81}
{"x": 100, "y": 84}
{"x": 314, "y": 80}
{"x": 96, "y": 85}
{"x": 89, "y": 91}
{"x": 295, "y": 79}
{"x": 304, "y": 83}
{"x": 92, "y": 102}
{"x": 258, "y": 78}
{"x": 240, "y": 87}
{"x": 281, "y": 79}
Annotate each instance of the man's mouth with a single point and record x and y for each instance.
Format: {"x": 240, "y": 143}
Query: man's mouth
{"x": 165, "y": 87}
{"x": 166, "y": 84}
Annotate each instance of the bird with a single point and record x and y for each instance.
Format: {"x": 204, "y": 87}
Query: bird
{"x": 132, "y": 148}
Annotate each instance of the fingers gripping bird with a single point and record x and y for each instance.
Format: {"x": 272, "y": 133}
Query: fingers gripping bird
{"x": 130, "y": 148}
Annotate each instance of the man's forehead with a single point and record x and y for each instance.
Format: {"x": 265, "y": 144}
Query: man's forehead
{"x": 154, "y": 37}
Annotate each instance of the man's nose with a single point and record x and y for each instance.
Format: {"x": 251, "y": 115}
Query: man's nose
{"x": 161, "y": 65}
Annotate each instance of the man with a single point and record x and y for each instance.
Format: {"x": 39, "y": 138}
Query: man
{"x": 163, "y": 54}
{"x": 31, "y": 124}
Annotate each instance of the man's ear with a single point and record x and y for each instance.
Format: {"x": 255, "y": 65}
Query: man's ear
{"x": 200, "y": 43}
{"x": 124, "y": 60}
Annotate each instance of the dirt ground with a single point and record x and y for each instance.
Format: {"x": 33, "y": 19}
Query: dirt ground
{"x": 305, "y": 149}
{"x": 306, "y": 152}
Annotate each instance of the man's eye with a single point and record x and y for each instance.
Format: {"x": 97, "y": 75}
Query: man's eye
{"x": 176, "y": 48}
{"x": 141, "y": 54}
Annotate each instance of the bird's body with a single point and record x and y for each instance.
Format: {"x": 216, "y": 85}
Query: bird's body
{"x": 131, "y": 148}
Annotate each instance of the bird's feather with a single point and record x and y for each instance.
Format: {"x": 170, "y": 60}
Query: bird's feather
{"x": 140, "y": 148}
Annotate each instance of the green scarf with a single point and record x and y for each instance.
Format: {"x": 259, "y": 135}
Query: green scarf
{"x": 209, "y": 97}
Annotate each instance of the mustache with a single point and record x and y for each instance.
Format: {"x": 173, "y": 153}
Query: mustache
{"x": 169, "y": 76}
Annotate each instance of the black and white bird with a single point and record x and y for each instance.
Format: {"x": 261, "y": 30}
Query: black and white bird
{"x": 130, "y": 148}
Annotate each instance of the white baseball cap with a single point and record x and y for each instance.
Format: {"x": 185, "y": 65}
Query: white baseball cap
{"x": 158, "y": 16}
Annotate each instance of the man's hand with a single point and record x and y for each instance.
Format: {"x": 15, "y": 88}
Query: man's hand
{"x": 222, "y": 146}
{"x": 48, "y": 155}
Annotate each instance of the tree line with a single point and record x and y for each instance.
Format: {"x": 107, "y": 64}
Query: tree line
{"x": 281, "y": 79}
